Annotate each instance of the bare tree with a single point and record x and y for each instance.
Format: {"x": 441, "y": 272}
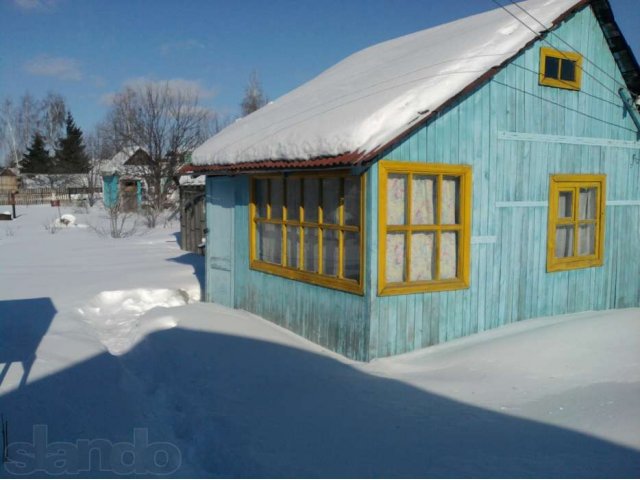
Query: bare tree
{"x": 254, "y": 96}
{"x": 165, "y": 119}
{"x": 100, "y": 149}
{"x": 21, "y": 119}
{"x": 51, "y": 119}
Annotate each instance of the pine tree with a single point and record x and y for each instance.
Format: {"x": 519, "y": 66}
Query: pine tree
{"x": 71, "y": 156}
{"x": 37, "y": 158}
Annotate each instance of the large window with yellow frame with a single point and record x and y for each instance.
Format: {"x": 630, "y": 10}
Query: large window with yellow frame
{"x": 576, "y": 222}
{"x": 425, "y": 227}
{"x": 309, "y": 227}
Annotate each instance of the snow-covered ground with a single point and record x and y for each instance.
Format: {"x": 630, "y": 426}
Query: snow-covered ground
{"x": 103, "y": 341}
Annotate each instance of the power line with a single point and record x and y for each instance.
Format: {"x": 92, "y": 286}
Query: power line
{"x": 539, "y": 35}
{"x": 565, "y": 42}
{"x": 262, "y": 135}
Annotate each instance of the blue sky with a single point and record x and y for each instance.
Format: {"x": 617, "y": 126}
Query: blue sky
{"x": 88, "y": 49}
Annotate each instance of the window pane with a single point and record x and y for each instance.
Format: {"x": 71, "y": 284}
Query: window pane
{"x": 330, "y": 253}
{"x": 564, "y": 241}
{"x": 395, "y": 257}
{"x": 423, "y": 259}
{"x": 352, "y": 201}
{"x": 311, "y": 249}
{"x": 449, "y": 255}
{"x": 551, "y": 67}
{"x": 423, "y": 203}
{"x": 311, "y": 199}
{"x": 293, "y": 199}
{"x": 568, "y": 70}
{"x": 396, "y": 199}
{"x": 450, "y": 201}
{"x": 330, "y": 200}
{"x": 587, "y": 208}
{"x": 351, "y": 256}
{"x": 277, "y": 193}
{"x": 293, "y": 247}
{"x": 565, "y": 205}
{"x": 587, "y": 239}
{"x": 261, "y": 197}
{"x": 269, "y": 243}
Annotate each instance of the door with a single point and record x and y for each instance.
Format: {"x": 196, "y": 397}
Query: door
{"x": 220, "y": 240}
{"x": 129, "y": 195}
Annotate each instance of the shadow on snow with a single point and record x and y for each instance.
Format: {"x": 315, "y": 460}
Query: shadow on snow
{"x": 236, "y": 406}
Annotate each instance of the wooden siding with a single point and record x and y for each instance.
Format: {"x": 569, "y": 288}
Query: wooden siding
{"x": 192, "y": 217}
{"x": 334, "y": 319}
{"x": 499, "y": 130}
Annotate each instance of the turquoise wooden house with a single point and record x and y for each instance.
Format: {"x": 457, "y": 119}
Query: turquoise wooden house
{"x": 437, "y": 185}
{"x": 122, "y": 179}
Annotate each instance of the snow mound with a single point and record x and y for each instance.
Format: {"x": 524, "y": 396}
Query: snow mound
{"x": 66, "y": 220}
{"x": 120, "y": 318}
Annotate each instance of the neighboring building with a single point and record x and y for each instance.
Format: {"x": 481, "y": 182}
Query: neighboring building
{"x": 9, "y": 180}
{"x": 436, "y": 185}
{"x": 192, "y": 213}
{"x": 122, "y": 179}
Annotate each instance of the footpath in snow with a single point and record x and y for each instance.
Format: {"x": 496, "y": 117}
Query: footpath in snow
{"x": 104, "y": 340}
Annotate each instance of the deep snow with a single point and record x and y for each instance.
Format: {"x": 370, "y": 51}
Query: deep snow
{"x": 112, "y": 338}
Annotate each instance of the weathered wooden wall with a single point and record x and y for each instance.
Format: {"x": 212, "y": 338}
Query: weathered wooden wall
{"x": 192, "y": 217}
{"x": 334, "y": 319}
{"x": 500, "y": 130}
{"x": 514, "y": 133}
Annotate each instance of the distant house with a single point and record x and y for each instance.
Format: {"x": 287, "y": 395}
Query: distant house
{"x": 437, "y": 185}
{"x": 123, "y": 183}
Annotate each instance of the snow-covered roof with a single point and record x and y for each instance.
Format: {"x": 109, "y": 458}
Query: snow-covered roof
{"x": 117, "y": 162}
{"x": 185, "y": 180}
{"x": 373, "y": 96}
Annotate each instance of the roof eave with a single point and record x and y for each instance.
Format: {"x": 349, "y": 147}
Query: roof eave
{"x": 602, "y": 9}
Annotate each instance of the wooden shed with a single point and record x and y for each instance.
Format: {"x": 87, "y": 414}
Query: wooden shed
{"x": 437, "y": 185}
{"x": 192, "y": 213}
{"x": 122, "y": 179}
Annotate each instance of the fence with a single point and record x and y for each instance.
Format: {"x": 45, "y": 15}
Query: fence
{"x": 40, "y": 196}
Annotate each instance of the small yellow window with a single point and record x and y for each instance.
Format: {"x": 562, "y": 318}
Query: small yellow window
{"x": 576, "y": 222}
{"x": 560, "y": 69}
{"x": 424, "y": 227}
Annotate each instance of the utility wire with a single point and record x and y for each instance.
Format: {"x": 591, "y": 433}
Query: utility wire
{"x": 566, "y": 43}
{"x": 539, "y": 35}
{"x": 296, "y": 115}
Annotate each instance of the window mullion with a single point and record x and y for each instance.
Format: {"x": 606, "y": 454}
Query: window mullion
{"x": 285, "y": 261}
{"x": 436, "y": 247}
{"x": 407, "y": 241}
{"x": 268, "y": 198}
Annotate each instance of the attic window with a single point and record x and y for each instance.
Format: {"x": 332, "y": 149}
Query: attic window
{"x": 560, "y": 69}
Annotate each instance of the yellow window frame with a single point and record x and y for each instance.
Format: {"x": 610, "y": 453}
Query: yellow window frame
{"x": 573, "y": 183}
{"x": 464, "y": 173}
{"x": 296, "y": 273}
{"x": 559, "y": 82}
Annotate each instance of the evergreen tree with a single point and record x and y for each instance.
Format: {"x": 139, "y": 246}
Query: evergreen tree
{"x": 37, "y": 158}
{"x": 71, "y": 156}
